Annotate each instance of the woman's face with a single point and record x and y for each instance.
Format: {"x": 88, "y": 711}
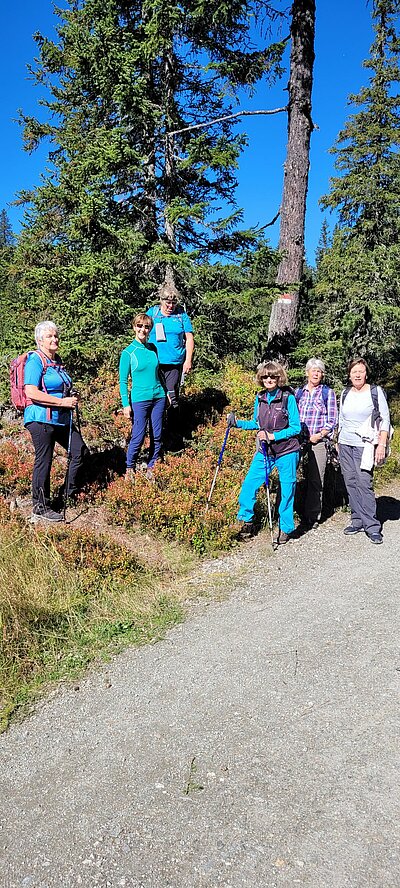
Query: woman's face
{"x": 142, "y": 330}
{"x": 168, "y": 306}
{"x": 358, "y": 376}
{"x": 270, "y": 380}
{"x": 314, "y": 376}
{"x": 49, "y": 341}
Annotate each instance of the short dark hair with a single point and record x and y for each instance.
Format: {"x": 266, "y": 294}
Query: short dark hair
{"x": 353, "y": 363}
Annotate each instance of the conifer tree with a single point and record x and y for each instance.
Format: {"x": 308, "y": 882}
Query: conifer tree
{"x": 358, "y": 276}
{"x": 133, "y": 191}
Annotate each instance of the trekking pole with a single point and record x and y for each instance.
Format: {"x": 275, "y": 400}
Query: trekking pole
{"x": 217, "y": 469}
{"x": 264, "y": 451}
{"x": 68, "y": 462}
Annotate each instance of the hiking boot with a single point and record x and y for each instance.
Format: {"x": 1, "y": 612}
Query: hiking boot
{"x": 376, "y": 538}
{"x": 44, "y": 513}
{"x": 246, "y": 531}
{"x": 130, "y": 474}
{"x": 282, "y": 538}
{"x": 350, "y": 530}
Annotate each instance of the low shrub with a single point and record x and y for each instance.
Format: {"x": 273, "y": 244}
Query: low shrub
{"x": 65, "y": 599}
{"x": 175, "y": 505}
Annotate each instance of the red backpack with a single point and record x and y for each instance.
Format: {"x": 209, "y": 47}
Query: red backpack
{"x": 17, "y": 368}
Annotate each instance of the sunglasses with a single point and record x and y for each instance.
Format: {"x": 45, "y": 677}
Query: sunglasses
{"x": 170, "y": 301}
{"x": 270, "y": 376}
{"x": 142, "y": 326}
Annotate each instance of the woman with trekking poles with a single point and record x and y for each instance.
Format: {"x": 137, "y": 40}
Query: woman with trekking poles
{"x": 364, "y": 429}
{"x": 146, "y": 400}
{"x": 318, "y": 415}
{"x": 277, "y": 422}
{"x": 48, "y": 417}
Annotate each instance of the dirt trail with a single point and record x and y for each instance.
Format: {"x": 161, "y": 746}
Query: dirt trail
{"x": 256, "y": 746}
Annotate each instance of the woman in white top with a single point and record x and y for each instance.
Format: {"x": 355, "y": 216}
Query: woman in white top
{"x": 356, "y": 408}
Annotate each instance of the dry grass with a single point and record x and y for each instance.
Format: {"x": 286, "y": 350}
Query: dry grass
{"x": 68, "y": 598}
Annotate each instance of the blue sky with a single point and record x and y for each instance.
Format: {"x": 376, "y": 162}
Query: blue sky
{"x": 343, "y": 37}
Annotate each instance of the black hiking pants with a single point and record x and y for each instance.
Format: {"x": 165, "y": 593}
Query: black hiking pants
{"x": 44, "y": 437}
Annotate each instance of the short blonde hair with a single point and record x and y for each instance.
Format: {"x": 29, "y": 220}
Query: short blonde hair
{"x": 142, "y": 316}
{"x": 273, "y": 367}
{"x": 169, "y": 291}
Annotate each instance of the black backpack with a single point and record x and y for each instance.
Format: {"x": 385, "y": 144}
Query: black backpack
{"x": 376, "y": 413}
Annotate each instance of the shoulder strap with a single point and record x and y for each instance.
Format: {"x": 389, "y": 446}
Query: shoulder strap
{"x": 298, "y": 393}
{"x": 344, "y": 394}
{"x": 376, "y": 413}
{"x": 325, "y": 394}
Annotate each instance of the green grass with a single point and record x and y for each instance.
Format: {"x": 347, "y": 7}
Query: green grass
{"x": 66, "y": 601}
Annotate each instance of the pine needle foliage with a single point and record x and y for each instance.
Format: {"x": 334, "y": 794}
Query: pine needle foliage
{"x": 357, "y": 298}
{"x": 132, "y": 187}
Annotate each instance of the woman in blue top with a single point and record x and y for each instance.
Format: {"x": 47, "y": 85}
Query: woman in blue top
{"x": 276, "y": 418}
{"x": 172, "y": 333}
{"x": 146, "y": 399}
{"x": 48, "y": 418}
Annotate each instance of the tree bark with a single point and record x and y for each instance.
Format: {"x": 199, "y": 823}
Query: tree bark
{"x": 291, "y": 240}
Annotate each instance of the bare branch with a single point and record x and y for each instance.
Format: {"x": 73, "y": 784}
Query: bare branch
{"x": 272, "y": 222}
{"x": 221, "y": 119}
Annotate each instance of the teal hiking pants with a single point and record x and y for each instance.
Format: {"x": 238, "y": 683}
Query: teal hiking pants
{"x": 286, "y": 465}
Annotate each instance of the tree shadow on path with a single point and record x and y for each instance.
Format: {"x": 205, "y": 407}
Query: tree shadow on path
{"x": 388, "y": 508}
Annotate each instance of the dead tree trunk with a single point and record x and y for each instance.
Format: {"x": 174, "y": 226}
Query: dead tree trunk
{"x": 291, "y": 240}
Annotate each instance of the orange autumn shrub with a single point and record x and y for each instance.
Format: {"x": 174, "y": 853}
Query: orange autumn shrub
{"x": 16, "y": 465}
{"x": 175, "y": 505}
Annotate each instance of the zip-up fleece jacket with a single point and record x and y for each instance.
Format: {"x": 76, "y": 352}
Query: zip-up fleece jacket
{"x": 270, "y": 416}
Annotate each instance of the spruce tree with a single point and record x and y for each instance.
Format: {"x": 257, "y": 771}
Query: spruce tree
{"x": 358, "y": 276}
{"x": 133, "y": 191}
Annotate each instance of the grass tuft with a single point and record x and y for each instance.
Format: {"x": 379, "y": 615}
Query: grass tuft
{"x": 66, "y": 600}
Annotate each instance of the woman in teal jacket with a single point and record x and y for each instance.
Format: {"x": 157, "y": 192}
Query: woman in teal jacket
{"x": 145, "y": 403}
{"x": 276, "y": 419}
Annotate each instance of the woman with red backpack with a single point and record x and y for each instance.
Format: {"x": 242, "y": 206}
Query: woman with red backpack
{"x": 48, "y": 418}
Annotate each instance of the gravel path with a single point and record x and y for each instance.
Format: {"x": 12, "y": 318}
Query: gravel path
{"x": 257, "y": 745}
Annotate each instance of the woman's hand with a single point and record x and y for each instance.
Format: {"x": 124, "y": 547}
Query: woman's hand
{"x": 127, "y": 411}
{"x": 69, "y": 402}
{"x": 380, "y": 454}
{"x": 265, "y": 436}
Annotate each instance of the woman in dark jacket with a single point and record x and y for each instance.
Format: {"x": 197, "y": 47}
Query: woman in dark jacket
{"x": 276, "y": 419}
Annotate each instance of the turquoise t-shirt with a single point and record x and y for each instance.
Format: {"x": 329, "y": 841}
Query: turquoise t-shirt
{"x": 140, "y": 362}
{"x": 55, "y": 380}
{"x": 173, "y": 350}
